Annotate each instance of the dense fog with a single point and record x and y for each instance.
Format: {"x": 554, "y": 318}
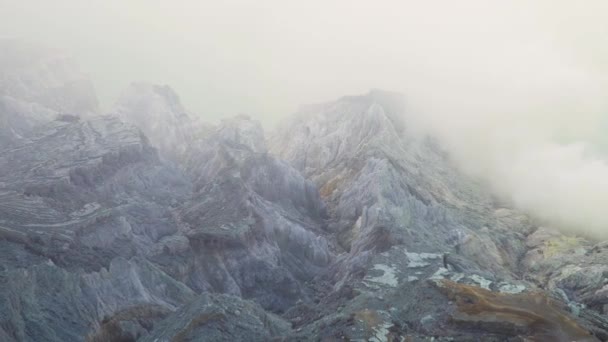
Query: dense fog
{"x": 516, "y": 90}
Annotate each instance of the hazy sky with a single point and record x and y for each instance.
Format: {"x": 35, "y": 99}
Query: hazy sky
{"x": 265, "y": 57}
{"x": 515, "y": 89}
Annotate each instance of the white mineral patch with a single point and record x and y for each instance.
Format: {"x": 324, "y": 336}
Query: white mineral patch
{"x": 420, "y": 259}
{"x": 387, "y": 278}
{"x": 483, "y": 282}
{"x": 381, "y": 333}
{"x": 510, "y": 288}
{"x": 439, "y": 274}
{"x": 457, "y": 277}
{"x": 86, "y": 209}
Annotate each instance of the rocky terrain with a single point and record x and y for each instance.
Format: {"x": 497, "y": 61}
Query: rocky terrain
{"x": 144, "y": 224}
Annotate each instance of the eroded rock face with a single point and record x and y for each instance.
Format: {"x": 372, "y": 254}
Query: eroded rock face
{"x": 158, "y": 112}
{"x": 45, "y": 302}
{"x": 386, "y": 186}
{"x": 146, "y": 225}
{"x": 255, "y": 223}
{"x": 407, "y": 219}
{"x": 95, "y": 184}
{"x": 219, "y": 318}
{"x": 533, "y": 315}
{"x": 571, "y": 267}
{"x": 82, "y": 203}
{"x": 88, "y": 203}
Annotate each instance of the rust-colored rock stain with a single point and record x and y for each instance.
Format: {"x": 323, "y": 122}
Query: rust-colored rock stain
{"x": 532, "y": 315}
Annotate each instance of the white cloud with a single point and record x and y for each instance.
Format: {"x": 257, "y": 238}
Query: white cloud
{"x": 517, "y": 89}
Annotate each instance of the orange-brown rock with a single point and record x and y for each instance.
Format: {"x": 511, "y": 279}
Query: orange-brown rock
{"x": 531, "y": 315}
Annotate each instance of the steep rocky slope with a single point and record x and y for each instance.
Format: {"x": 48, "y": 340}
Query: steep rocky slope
{"x": 385, "y": 186}
{"x": 253, "y": 223}
{"x": 419, "y": 238}
{"x": 159, "y": 113}
{"x": 343, "y": 224}
{"x": 82, "y": 204}
{"x": 95, "y": 228}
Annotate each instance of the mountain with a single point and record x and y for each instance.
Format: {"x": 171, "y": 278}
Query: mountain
{"x": 345, "y": 223}
{"x": 158, "y": 111}
{"x": 427, "y": 251}
{"x": 38, "y": 84}
{"x": 83, "y": 203}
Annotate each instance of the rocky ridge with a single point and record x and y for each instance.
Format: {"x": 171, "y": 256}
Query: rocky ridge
{"x": 158, "y": 112}
{"x": 343, "y": 224}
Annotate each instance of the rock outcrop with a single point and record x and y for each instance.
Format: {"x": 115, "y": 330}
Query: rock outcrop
{"x": 346, "y": 224}
{"x": 129, "y": 237}
{"x": 158, "y": 112}
{"x": 386, "y": 186}
{"x": 255, "y": 223}
{"x": 219, "y": 318}
{"x": 95, "y": 184}
{"x": 408, "y": 220}
{"x": 82, "y": 204}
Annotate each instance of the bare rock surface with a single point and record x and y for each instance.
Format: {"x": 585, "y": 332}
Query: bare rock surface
{"x": 255, "y": 223}
{"x": 220, "y": 318}
{"x": 345, "y": 224}
{"x": 158, "y": 112}
{"x": 407, "y": 220}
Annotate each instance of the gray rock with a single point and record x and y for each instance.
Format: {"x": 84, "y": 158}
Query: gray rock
{"x": 404, "y": 214}
{"x": 346, "y": 222}
{"x": 48, "y": 303}
{"x": 386, "y": 185}
{"x": 79, "y": 199}
{"x": 92, "y": 185}
{"x": 158, "y": 112}
{"x": 219, "y": 318}
{"x": 255, "y": 223}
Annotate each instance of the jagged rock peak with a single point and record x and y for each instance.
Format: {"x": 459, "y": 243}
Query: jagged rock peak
{"x": 152, "y": 100}
{"x": 320, "y": 136}
{"x": 73, "y": 151}
{"x": 159, "y": 113}
{"x": 242, "y": 131}
{"x": 393, "y": 104}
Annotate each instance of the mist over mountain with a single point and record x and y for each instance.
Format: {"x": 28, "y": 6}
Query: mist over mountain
{"x": 402, "y": 172}
{"x": 515, "y": 90}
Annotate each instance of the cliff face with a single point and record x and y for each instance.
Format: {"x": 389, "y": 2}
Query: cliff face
{"x": 343, "y": 224}
{"x": 386, "y": 186}
{"x": 157, "y": 110}
{"x": 83, "y": 203}
{"x": 254, "y": 222}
